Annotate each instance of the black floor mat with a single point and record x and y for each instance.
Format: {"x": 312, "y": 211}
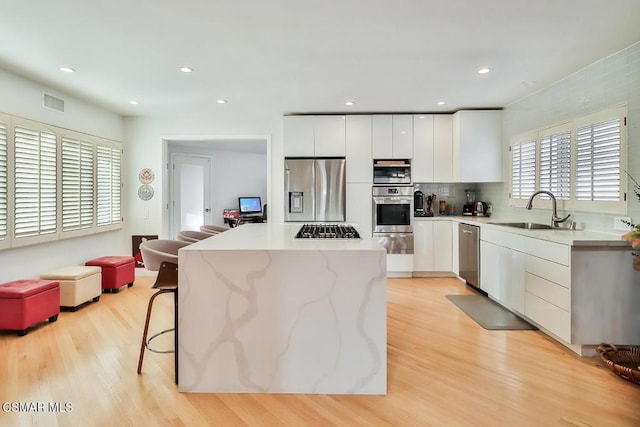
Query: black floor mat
{"x": 487, "y": 313}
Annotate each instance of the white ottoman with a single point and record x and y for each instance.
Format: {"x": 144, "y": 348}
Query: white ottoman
{"x": 78, "y": 284}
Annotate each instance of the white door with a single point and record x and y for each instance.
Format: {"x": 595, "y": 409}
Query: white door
{"x": 190, "y": 192}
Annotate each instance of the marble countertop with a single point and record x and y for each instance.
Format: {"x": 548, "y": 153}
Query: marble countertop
{"x": 566, "y": 237}
{"x": 279, "y": 237}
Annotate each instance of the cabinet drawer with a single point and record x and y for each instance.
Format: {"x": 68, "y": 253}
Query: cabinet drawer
{"x": 548, "y": 291}
{"x": 551, "y": 251}
{"x": 557, "y": 273}
{"x": 503, "y": 238}
{"x": 554, "y": 319}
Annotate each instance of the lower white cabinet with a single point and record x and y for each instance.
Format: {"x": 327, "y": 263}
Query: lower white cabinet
{"x": 548, "y": 291}
{"x": 433, "y": 246}
{"x": 502, "y": 274}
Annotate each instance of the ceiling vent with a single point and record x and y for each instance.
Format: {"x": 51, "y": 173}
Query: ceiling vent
{"x": 53, "y": 103}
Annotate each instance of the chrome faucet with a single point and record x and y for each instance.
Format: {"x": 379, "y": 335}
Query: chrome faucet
{"x": 555, "y": 220}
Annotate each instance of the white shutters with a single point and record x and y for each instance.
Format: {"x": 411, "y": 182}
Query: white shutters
{"x": 49, "y": 183}
{"x": 109, "y": 164}
{"x": 77, "y": 184}
{"x": 3, "y": 182}
{"x": 35, "y": 210}
{"x": 555, "y": 164}
{"x": 598, "y": 171}
{"x": 523, "y": 169}
{"x": 581, "y": 162}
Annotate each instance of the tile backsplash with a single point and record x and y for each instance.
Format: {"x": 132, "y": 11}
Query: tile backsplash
{"x": 452, "y": 193}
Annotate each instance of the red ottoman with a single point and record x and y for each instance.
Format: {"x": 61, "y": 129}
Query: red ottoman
{"x": 23, "y": 303}
{"x": 117, "y": 271}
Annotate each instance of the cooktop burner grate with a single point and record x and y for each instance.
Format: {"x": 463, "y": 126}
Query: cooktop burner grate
{"x": 327, "y": 231}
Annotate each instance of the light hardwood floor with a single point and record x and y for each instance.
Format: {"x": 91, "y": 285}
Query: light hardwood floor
{"x": 443, "y": 370}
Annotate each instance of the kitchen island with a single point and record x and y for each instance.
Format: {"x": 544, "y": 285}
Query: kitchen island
{"x": 262, "y": 312}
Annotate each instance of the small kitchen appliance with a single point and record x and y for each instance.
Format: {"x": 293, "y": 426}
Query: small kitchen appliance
{"x": 481, "y": 209}
{"x": 469, "y": 208}
{"x": 393, "y": 171}
{"x": 423, "y": 205}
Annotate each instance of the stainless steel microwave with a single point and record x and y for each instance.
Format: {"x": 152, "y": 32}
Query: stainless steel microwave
{"x": 392, "y": 171}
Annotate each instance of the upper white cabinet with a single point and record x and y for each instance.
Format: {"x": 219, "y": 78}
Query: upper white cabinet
{"x": 359, "y": 157}
{"x": 432, "y": 148}
{"x": 443, "y": 148}
{"x": 314, "y": 136}
{"x": 298, "y": 136}
{"x": 392, "y": 136}
{"x": 477, "y": 146}
{"x": 422, "y": 164}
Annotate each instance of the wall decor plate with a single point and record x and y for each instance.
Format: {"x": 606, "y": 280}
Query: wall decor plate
{"x": 145, "y": 192}
{"x": 146, "y": 176}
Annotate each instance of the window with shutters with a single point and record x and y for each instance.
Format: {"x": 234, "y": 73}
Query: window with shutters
{"x": 77, "y": 184}
{"x": 108, "y": 185}
{"x": 582, "y": 163}
{"x": 555, "y": 162}
{"x": 35, "y": 177}
{"x": 523, "y": 168}
{"x": 56, "y": 183}
{"x": 4, "y": 218}
{"x": 600, "y": 145}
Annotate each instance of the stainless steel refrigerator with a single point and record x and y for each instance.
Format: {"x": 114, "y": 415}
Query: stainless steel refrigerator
{"x": 314, "y": 189}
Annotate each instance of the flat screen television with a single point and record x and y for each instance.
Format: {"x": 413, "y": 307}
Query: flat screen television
{"x": 250, "y": 205}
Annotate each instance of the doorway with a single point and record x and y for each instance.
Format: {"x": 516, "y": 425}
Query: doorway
{"x": 190, "y": 192}
{"x": 232, "y": 156}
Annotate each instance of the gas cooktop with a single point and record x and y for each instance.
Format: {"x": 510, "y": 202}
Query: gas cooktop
{"x": 327, "y": 231}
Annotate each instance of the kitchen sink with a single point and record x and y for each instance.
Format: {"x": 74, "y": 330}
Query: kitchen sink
{"x": 528, "y": 225}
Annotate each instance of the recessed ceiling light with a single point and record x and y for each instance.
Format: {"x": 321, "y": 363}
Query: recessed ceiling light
{"x": 484, "y": 70}
{"x": 222, "y": 101}
{"x": 186, "y": 69}
{"x": 441, "y": 102}
{"x": 349, "y": 103}
{"x": 134, "y": 102}
{"x": 67, "y": 69}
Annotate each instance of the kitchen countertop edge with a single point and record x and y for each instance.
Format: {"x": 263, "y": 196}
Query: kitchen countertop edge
{"x": 582, "y": 238}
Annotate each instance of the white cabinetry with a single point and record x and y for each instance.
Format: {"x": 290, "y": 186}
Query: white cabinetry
{"x": 314, "y": 136}
{"x": 422, "y": 164}
{"x": 442, "y": 148}
{"x": 502, "y": 267}
{"x": 477, "y": 146}
{"x": 432, "y": 246}
{"x": 392, "y": 136}
{"x": 359, "y": 158}
{"x": 359, "y": 206}
{"x": 298, "y": 139}
{"x": 432, "y": 148}
{"x": 548, "y": 287}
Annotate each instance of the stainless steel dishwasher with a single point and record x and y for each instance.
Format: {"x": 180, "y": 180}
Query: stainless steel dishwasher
{"x": 469, "y": 253}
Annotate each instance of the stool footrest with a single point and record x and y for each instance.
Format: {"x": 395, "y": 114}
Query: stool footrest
{"x": 148, "y": 343}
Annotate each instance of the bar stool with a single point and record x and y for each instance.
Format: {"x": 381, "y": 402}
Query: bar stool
{"x": 192, "y": 236}
{"x": 214, "y": 229}
{"x": 162, "y": 256}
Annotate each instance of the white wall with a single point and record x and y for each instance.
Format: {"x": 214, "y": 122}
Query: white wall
{"x": 145, "y": 136}
{"x": 608, "y": 82}
{"x": 21, "y": 97}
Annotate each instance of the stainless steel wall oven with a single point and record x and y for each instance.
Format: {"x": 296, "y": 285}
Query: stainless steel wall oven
{"x": 392, "y": 212}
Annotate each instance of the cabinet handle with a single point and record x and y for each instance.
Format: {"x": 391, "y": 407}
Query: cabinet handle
{"x": 467, "y": 232}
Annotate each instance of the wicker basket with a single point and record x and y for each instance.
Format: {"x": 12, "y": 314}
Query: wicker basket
{"x": 624, "y": 361}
